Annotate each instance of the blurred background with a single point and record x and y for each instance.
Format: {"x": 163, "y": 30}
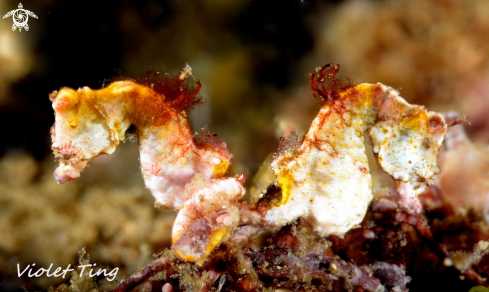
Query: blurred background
{"x": 253, "y": 59}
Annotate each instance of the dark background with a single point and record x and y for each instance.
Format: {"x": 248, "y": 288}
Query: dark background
{"x": 83, "y": 43}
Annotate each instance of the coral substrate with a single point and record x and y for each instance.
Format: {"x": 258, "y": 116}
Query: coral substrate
{"x": 393, "y": 250}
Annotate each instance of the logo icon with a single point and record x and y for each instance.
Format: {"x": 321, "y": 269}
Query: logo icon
{"x": 20, "y": 17}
